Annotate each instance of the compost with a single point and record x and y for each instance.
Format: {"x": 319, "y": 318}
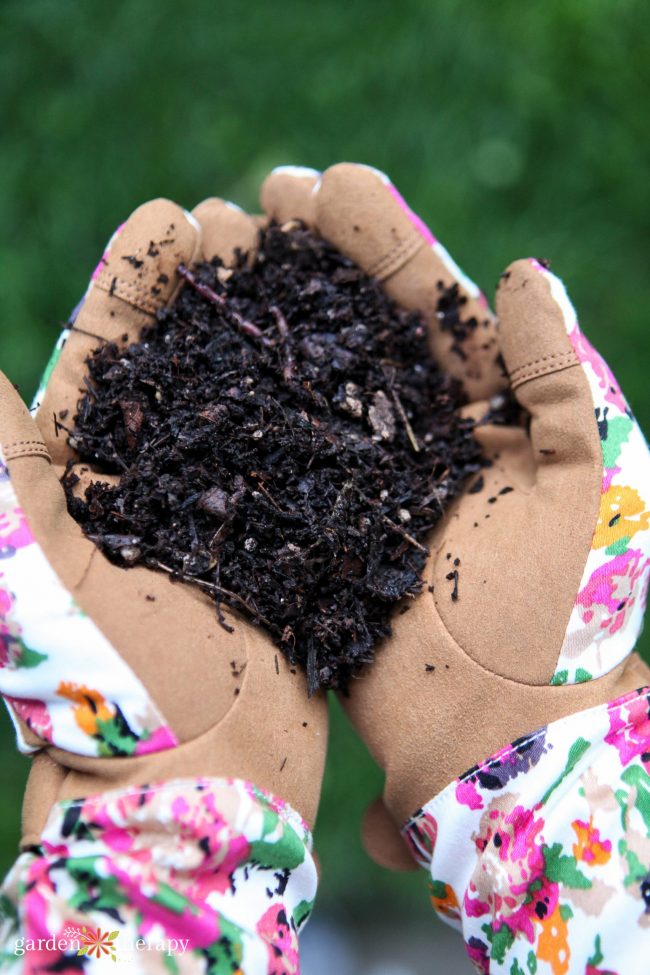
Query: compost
{"x": 284, "y": 441}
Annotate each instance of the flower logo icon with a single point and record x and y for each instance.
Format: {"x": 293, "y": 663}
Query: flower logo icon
{"x": 98, "y": 943}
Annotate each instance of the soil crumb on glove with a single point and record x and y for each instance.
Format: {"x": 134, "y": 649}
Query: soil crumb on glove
{"x": 284, "y": 441}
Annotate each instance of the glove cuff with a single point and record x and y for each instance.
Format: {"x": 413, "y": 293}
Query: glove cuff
{"x": 545, "y": 847}
{"x": 214, "y": 869}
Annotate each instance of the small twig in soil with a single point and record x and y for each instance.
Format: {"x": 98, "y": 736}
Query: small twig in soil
{"x": 244, "y": 326}
{"x": 267, "y": 494}
{"x": 219, "y": 590}
{"x": 409, "y": 538}
{"x": 283, "y": 330}
{"x": 405, "y": 420}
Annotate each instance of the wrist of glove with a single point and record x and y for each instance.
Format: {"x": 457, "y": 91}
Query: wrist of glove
{"x": 213, "y": 870}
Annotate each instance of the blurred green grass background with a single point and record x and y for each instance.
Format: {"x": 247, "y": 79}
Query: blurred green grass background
{"x": 514, "y": 129}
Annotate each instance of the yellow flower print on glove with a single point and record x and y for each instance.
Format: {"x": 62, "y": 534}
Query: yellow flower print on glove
{"x": 622, "y": 514}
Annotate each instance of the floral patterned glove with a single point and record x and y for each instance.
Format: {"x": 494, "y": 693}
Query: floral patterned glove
{"x": 541, "y": 853}
{"x": 536, "y": 589}
{"x": 147, "y": 723}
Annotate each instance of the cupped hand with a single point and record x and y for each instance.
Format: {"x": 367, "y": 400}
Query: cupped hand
{"x": 119, "y": 677}
{"x": 536, "y": 580}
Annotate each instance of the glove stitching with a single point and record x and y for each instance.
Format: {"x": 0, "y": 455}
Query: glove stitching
{"x": 543, "y": 370}
{"x": 128, "y": 293}
{"x": 545, "y": 358}
{"x": 538, "y": 373}
{"x": 25, "y": 448}
{"x": 19, "y": 443}
{"x": 134, "y": 294}
{"x": 395, "y": 259}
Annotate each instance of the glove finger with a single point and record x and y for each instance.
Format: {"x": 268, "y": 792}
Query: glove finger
{"x": 383, "y": 841}
{"x": 27, "y": 460}
{"x": 555, "y": 374}
{"x": 225, "y": 228}
{"x": 287, "y": 193}
{"x": 19, "y": 435}
{"x": 359, "y": 211}
{"x": 134, "y": 279}
{"x": 592, "y": 466}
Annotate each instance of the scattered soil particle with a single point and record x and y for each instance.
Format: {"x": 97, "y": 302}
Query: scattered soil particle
{"x": 477, "y": 486}
{"x": 285, "y": 442}
{"x": 453, "y": 577}
{"x": 133, "y": 261}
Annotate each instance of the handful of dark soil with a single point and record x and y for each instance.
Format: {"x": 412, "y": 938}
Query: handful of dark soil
{"x": 285, "y": 442}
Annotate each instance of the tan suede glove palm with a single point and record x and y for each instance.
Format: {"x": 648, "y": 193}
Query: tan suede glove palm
{"x": 119, "y": 677}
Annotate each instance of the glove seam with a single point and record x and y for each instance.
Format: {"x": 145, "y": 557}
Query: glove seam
{"x": 504, "y": 677}
{"x": 542, "y": 367}
{"x": 383, "y": 268}
{"x": 544, "y": 358}
{"x": 285, "y": 810}
{"x": 497, "y": 757}
{"x": 133, "y": 294}
{"x": 25, "y": 448}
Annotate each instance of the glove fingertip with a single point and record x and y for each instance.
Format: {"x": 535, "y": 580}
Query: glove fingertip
{"x": 288, "y": 192}
{"x": 383, "y": 841}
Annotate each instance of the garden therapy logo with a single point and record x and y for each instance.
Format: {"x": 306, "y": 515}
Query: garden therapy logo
{"x": 97, "y": 943}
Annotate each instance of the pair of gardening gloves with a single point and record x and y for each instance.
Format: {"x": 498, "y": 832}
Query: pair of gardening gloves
{"x": 533, "y": 591}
